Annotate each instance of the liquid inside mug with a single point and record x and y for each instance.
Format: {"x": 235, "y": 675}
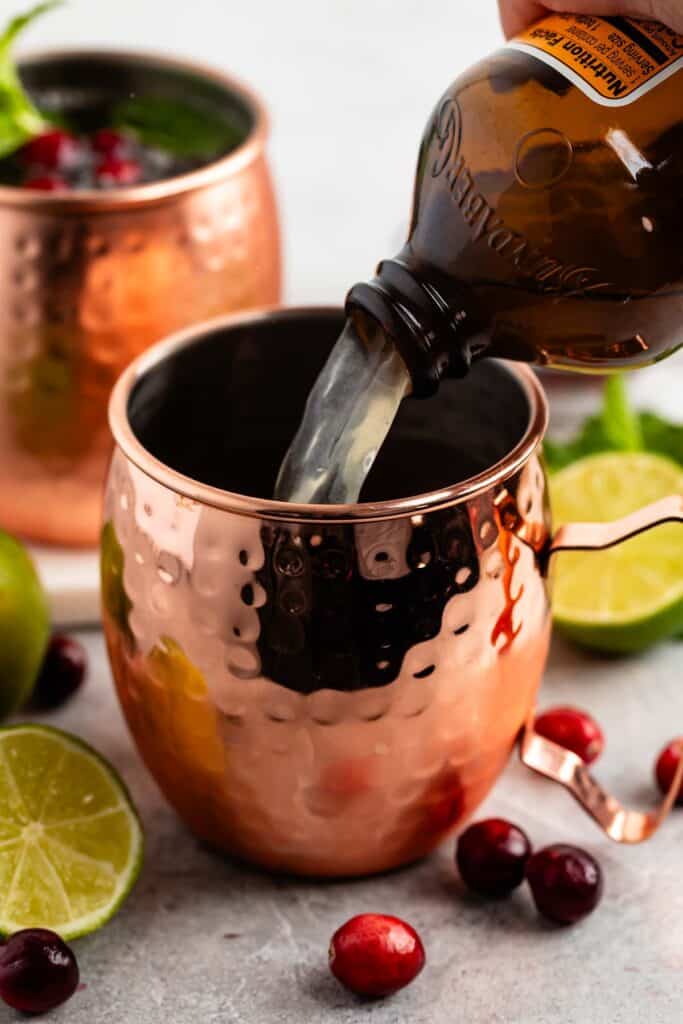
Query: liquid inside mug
{"x": 329, "y": 690}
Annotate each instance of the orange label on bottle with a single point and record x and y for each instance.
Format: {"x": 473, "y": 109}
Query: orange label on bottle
{"x": 614, "y": 61}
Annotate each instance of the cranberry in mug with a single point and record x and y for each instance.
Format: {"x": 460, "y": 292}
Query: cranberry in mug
{"x": 76, "y": 137}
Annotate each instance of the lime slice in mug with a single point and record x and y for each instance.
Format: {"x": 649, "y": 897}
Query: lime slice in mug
{"x": 70, "y": 840}
{"x": 630, "y": 596}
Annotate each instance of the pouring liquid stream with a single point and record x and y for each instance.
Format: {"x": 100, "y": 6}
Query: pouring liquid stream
{"x": 348, "y": 415}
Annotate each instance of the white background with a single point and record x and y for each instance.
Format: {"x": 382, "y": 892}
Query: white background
{"x": 349, "y": 84}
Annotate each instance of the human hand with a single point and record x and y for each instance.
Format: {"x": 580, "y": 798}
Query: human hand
{"x": 517, "y": 14}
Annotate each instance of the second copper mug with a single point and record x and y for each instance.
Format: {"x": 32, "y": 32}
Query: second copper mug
{"x": 88, "y": 280}
{"x": 330, "y": 690}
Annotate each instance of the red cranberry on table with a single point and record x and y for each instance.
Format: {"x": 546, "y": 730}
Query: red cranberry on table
{"x": 573, "y": 729}
{"x": 376, "y": 954}
{"x": 37, "y": 971}
{"x": 492, "y": 857}
{"x": 666, "y": 766}
{"x": 53, "y": 150}
{"x": 63, "y": 671}
{"x": 566, "y": 883}
{"x": 115, "y": 171}
{"x": 46, "y": 183}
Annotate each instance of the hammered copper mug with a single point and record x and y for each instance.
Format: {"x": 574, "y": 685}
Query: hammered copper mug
{"x": 88, "y": 280}
{"x": 330, "y": 690}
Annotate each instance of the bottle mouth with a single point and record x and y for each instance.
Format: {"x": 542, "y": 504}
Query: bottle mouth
{"x": 429, "y": 319}
{"x": 370, "y": 307}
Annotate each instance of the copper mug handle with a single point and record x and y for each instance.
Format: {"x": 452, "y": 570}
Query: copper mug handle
{"x": 563, "y": 766}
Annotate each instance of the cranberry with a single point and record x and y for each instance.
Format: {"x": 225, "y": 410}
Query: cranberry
{"x": 376, "y": 955}
{"x": 115, "y": 171}
{"x": 37, "y": 971}
{"x": 566, "y": 883}
{"x": 573, "y": 729}
{"x": 53, "y": 150}
{"x": 46, "y": 183}
{"x": 109, "y": 143}
{"x": 63, "y": 672}
{"x": 666, "y": 766}
{"x": 492, "y": 856}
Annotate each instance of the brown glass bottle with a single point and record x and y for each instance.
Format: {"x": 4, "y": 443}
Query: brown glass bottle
{"x": 548, "y": 209}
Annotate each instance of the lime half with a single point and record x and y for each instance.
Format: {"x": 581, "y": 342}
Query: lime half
{"x": 70, "y": 840}
{"x": 631, "y": 596}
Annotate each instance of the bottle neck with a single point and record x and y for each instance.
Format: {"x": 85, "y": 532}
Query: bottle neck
{"x": 432, "y": 320}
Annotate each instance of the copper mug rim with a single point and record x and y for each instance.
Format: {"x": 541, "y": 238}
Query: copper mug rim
{"x": 268, "y": 508}
{"x": 151, "y": 193}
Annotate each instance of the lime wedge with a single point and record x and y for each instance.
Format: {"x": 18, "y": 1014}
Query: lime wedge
{"x": 631, "y": 596}
{"x": 70, "y": 840}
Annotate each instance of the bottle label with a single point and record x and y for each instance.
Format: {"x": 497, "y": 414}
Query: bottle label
{"x": 614, "y": 61}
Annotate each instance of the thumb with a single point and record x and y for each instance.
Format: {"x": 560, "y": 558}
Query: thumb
{"x": 670, "y": 12}
{"x": 515, "y": 15}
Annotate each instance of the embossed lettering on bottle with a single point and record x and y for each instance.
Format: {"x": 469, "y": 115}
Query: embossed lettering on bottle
{"x": 551, "y": 274}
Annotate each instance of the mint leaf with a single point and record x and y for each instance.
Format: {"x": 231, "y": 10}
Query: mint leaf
{"x": 592, "y": 438}
{"x": 617, "y": 428}
{"x": 176, "y": 127}
{"x": 661, "y": 437}
{"x": 20, "y": 120}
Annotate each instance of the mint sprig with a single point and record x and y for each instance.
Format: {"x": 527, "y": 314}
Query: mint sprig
{"x": 20, "y": 119}
{"x": 176, "y": 127}
{"x": 618, "y": 428}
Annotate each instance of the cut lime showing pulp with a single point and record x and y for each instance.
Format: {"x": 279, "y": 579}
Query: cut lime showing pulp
{"x": 70, "y": 840}
{"x": 630, "y": 596}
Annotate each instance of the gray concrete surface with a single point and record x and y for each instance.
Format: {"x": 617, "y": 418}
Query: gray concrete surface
{"x": 205, "y": 941}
